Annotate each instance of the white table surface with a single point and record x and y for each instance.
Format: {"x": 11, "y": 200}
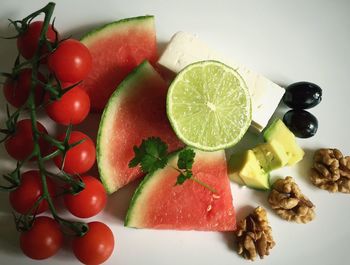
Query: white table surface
{"x": 287, "y": 41}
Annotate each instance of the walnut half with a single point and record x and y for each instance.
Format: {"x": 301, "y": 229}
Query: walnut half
{"x": 331, "y": 171}
{"x": 289, "y": 203}
{"x": 254, "y": 235}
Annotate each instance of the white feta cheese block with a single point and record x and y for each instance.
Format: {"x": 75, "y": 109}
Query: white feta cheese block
{"x": 184, "y": 49}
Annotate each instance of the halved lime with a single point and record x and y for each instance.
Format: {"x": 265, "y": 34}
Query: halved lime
{"x": 209, "y": 106}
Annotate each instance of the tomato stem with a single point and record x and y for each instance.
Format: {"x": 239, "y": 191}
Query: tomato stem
{"x": 48, "y": 10}
{"x": 78, "y": 228}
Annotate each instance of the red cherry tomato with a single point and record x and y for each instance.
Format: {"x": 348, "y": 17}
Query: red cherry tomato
{"x": 81, "y": 157}
{"x": 17, "y": 90}
{"x": 96, "y": 246}
{"x": 28, "y": 192}
{"x": 27, "y": 43}
{"x": 43, "y": 240}
{"x": 20, "y": 144}
{"x": 71, "y": 61}
{"x": 89, "y": 201}
{"x": 71, "y": 108}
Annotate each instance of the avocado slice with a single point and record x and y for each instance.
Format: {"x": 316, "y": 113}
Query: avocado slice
{"x": 271, "y": 155}
{"x": 234, "y": 165}
{"x": 244, "y": 168}
{"x": 279, "y": 132}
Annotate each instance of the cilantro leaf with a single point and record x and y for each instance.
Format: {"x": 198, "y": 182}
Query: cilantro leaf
{"x": 150, "y": 163}
{"x": 186, "y": 158}
{"x": 182, "y": 177}
{"x": 151, "y": 155}
{"x": 137, "y": 158}
{"x": 184, "y": 163}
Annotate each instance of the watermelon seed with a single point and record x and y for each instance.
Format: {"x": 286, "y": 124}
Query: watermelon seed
{"x": 209, "y": 208}
{"x": 216, "y": 196}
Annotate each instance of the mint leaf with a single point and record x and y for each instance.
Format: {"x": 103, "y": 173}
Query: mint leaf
{"x": 151, "y": 155}
{"x": 186, "y": 159}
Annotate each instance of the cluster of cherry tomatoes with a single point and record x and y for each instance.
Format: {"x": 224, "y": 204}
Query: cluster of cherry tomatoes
{"x": 69, "y": 62}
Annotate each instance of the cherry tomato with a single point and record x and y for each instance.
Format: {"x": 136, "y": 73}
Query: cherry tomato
{"x": 27, "y": 42}
{"x": 81, "y": 157}
{"x": 17, "y": 90}
{"x": 89, "y": 201}
{"x": 96, "y": 246}
{"x": 71, "y": 61}
{"x": 29, "y": 191}
{"x": 20, "y": 144}
{"x": 72, "y": 107}
{"x": 43, "y": 240}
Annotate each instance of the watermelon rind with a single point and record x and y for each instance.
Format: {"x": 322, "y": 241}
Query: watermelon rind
{"x": 105, "y": 28}
{"x": 112, "y": 104}
{"x": 145, "y": 181}
{"x": 138, "y": 212}
{"x": 138, "y": 38}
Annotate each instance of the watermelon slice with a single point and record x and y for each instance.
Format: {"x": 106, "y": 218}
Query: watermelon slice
{"x": 116, "y": 49}
{"x": 135, "y": 111}
{"x": 158, "y": 204}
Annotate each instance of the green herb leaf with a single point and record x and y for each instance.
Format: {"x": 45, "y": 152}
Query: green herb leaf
{"x": 151, "y": 155}
{"x": 182, "y": 177}
{"x": 186, "y": 159}
{"x": 184, "y": 163}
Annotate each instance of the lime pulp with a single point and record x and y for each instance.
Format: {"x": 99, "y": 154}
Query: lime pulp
{"x": 209, "y": 106}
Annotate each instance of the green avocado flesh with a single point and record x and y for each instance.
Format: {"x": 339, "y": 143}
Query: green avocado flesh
{"x": 279, "y": 132}
{"x": 244, "y": 168}
{"x": 271, "y": 155}
{"x": 252, "y": 167}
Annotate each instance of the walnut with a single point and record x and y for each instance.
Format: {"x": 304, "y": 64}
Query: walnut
{"x": 254, "y": 235}
{"x": 331, "y": 171}
{"x": 289, "y": 203}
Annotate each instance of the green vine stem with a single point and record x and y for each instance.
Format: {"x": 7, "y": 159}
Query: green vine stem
{"x": 77, "y": 228}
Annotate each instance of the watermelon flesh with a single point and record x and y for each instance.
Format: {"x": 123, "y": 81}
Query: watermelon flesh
{"x": 116, "y": 49}
{"x": 158, "y": 204}
{"x": 135, "y": 111}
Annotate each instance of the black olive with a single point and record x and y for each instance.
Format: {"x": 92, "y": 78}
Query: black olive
{"x": 302, "y": 95}
{"x": 301, "y": 122}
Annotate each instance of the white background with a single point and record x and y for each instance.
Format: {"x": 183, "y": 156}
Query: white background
{"x": 287, "y": 41}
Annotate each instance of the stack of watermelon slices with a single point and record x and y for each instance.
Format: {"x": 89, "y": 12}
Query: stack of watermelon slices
{"x": 132, "y": 93}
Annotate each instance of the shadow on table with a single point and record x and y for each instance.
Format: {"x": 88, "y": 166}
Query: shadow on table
{"x": 9, "y": 237}
{"x": 118, "y": 203}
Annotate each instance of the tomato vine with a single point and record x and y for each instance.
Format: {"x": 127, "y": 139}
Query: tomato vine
{"x": 52, "y": 86}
